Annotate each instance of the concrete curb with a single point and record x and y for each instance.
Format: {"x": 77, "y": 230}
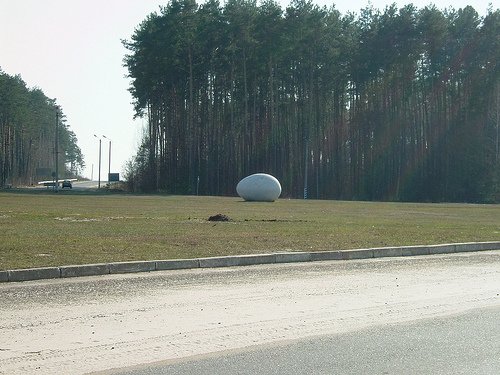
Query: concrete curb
{"x": 4, "y": 276}
{"x": 177, "y": 264}
{"x": 85, "y": 270}
{"x": 239, "y": 260}
{"x": 34, "y": 274}
{"x": 130, "y": 267}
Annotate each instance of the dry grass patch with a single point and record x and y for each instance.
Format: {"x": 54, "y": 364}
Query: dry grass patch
{"x": 50, "y": 229}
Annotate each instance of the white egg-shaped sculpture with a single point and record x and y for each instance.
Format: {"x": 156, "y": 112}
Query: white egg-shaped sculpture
{"x": 260, "y": 187}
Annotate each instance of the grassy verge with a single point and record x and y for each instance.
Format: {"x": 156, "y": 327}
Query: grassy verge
{"x": 59, "y": 229}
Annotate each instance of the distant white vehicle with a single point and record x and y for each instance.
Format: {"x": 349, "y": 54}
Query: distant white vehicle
{"x": 67, "y": 182}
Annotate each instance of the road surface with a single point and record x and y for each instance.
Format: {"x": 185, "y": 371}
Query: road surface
{"x": 93, "y": 324}
{"x": 77, "y": 185}
{"x": 466, "y": 343}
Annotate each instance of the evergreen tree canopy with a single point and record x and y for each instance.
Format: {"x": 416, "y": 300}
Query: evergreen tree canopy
{"x": 399, "y": 104}
{"x": 27, "y": 135}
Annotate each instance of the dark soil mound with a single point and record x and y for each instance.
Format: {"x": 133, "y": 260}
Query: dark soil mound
{"x": 219, "y": 217}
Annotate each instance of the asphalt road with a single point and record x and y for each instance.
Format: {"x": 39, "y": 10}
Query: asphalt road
{"x": 87, "y": 184}
{"x": 467, "y": 343}
{"x": 90, "y": 324}
{"x": 77, "y": 185}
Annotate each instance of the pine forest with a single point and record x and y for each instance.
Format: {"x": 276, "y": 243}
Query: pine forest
{"x": 28, "y": 143}
{"x": 400, "y": 104}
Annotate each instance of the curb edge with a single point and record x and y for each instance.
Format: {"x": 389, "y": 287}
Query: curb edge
{"x": 29, "y": 274}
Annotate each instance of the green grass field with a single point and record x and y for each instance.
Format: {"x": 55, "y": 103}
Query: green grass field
{"x": 47, "y": 229}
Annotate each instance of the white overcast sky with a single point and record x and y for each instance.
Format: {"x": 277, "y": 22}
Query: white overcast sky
{"x": 71, "y": 49}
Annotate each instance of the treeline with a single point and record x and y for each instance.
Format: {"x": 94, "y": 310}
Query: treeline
{"x": 399, "y": 104}
{"x": 27, "y": 136}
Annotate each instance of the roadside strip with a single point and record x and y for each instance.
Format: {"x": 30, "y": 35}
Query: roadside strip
{"x": 238, "y": 260}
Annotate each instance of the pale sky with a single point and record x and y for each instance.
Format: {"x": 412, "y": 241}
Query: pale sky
{"x": 71, "y": 49}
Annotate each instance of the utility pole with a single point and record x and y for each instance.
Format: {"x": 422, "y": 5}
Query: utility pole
{"x": 497, "y": 117}
{"x": 306, "y": 164}
{"x": 57, "y": 149}
{"x": 109, "y": 156}
{"x": 99, "y": 180}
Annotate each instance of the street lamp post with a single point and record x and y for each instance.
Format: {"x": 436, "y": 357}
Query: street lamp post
{"x": 56, "y": 146}
{"x": 99, "y": 180}
{"x": 109, "y": 156}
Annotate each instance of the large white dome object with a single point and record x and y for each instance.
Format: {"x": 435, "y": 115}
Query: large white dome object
{"x": 259, "y": 187}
